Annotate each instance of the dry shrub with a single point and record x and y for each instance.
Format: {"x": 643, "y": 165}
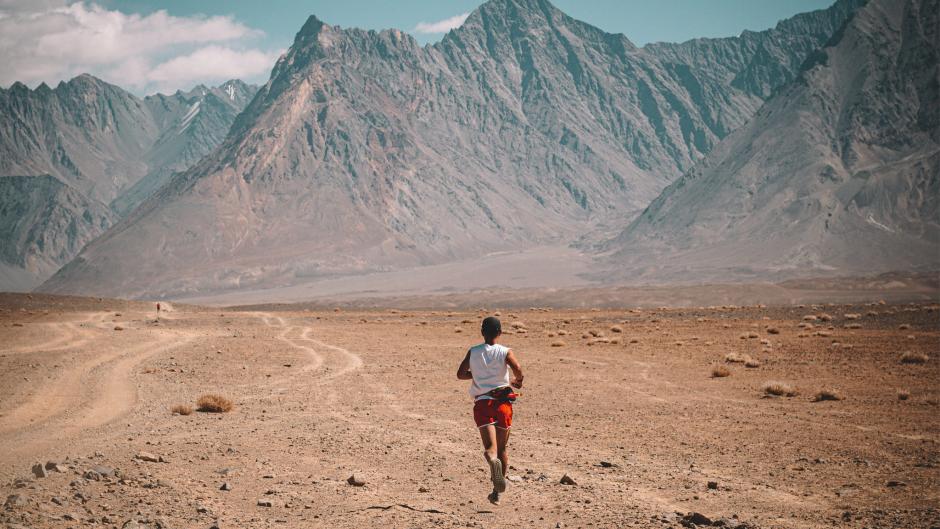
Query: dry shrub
{"x": 595, "y": 332}
{"x": 825, "y": 317}
{"x": 753, "y": 334}
{"x": 118, "y": 328}
{"x": 562, "y": 332}
{"x": 182, "y": 409}
{"x": 765, "y": 341}
{"x": 751, "y": 363}
{"x": 616, "y": 328}
{"x": 517, "y": 325}
{"x": 810, "y": 317}
{"x": 853, "y": 326}
{"x": 904, "y": 327}
{"x": 720, "y": 372}
{"x": 214, "y": 404}
{"x": 910, "y": 357}
{"x": 458, "y": 330}
{"x": 773, "y": 330}
{"x": 903, "y": 394}
{"x": 585, "y": 336}
{"x": 778, "y": 389}
{"x": 550, "y": 334}
{"x": 558, "y": 343}
{"x": 615, "y": 341}
{"x": 466, "y": 321}
{"x": 853, "y": 316}
{"x": 736, "y": 358}
{"x": 827, "y": 394}
{"x": 634, "y": 340}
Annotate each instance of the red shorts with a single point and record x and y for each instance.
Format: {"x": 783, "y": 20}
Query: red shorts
{"x": 489, "y": 411}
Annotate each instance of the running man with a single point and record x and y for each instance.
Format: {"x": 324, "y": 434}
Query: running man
{"x": 488, "y": 365}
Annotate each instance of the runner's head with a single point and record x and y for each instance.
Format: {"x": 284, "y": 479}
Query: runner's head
{"x": 491, "y": 328}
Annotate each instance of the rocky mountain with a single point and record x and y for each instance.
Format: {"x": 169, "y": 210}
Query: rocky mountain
{"x": 104, "y": 146}
{"x": 44, "y": 223}
{"x": 839, "y": 172}
{"x": 365, "y": 151}
{"x": 191, "y": 124}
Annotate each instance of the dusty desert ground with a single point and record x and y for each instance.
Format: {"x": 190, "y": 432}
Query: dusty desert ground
{"x": 636, "y": 418}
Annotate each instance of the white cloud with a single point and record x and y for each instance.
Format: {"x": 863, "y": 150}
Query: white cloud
{"x": 441, "y": 26}
{"x": 50, "y": 41}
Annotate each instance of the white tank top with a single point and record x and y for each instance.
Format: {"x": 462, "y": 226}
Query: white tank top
{"x": 489, "y": 369}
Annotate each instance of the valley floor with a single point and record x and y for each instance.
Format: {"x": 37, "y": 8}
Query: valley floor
{"x": 637, "y": 421}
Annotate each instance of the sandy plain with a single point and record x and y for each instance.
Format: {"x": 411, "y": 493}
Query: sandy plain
{"x": 635, "y": 418}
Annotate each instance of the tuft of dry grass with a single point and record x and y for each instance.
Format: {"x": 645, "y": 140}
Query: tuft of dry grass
{"x": 118, "y": 328}
{"x": 903, "y": 394}
{"x": 720, "y": 372}
{"x": 904, "y": 327}
{"x": 827, "y": 394}
{"x": 616, "y": 328}
{"x": 825, "y": 317}
{"x": 558, "y": 343}
{"x": 615, "y": 340}
{"x": 182, "y": 409}
{"x": 852, "y": 316}
{"x": 214, "y": 404}
{"x": 458, "y": 330}
{"x": 910, "y": 357}
{"x": 773, "y": 330}
{"x": 736, "y": 358}
{"x": 562, "y": 332}
{"x": 778, "y": 389}
{"x": 853, "y": 326}
{"x": 751, "y": 363}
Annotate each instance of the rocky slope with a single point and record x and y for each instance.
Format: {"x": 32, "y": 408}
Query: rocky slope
{"x": 44, "y": 223}
{"x": 103, "y": 146}
{"x": 365, "y": 151}
{"x": 839, "y": 172}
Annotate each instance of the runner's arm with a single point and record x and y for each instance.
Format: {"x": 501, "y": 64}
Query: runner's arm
{"x": 463, "y": 372}
{"x": 516, "y": 369}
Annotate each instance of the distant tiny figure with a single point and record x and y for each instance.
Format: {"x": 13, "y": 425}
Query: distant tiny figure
{"x": 488, "y": 365}
{"x": 158, "y": 308}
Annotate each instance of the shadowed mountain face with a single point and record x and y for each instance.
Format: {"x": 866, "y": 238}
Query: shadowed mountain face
{"x": 839, "y": 171}
{"x": 365, "y": 151}
{"x": 104, "y": 147}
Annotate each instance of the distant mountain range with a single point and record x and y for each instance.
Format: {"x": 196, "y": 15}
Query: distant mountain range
{"x": 365, "y": 151}
{"x": 838, "y": 172}
{"x": 76, "y": 157}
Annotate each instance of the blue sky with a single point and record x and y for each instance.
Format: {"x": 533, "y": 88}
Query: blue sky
{"x": 149, "y": 45}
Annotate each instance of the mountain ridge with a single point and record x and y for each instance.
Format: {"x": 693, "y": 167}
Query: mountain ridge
{"x": 846, "y": 153}
{"x": 367, "y": 152}
{"x": 109, "y": 148}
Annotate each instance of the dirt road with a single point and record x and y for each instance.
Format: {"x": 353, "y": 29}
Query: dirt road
{"x": 634, "y": 416}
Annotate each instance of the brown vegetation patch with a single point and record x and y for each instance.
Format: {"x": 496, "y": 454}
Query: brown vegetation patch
{"x": 778, "y": 389}
{"x": 214, "y": 404}
{"x": 827, "y": 394}
{"x": 182, "y": 409}
{"x": 720, "y": 372}
{"x": 910, "y": 357}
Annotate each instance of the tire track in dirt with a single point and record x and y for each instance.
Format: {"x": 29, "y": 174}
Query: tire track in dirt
{"x": 89, "y": 394}
{"x": 66, "y": 335}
